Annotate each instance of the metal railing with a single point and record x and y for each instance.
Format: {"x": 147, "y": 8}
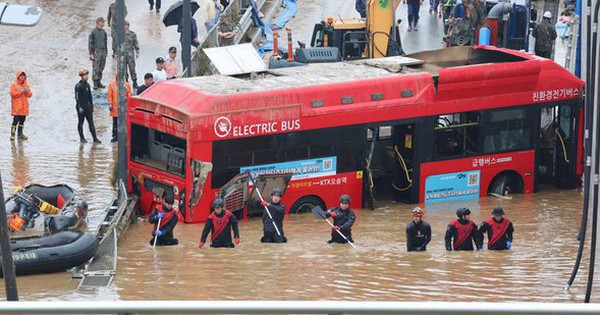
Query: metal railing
{"x": 286, "y": 307}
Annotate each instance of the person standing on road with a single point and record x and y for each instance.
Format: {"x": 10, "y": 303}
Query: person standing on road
{"x": 418, "y": 232}
{"x": 220, "y": 224}
{"x": 212, "y": 12}
{"x": 172, "y": 65}
{"x": 277, "y": 211}
{"x": 168, "y": 220}
{"x": 159, "y": 73}
{"x": 112, "y": 23}
{"x": 343, "y": 219}
{"x": 413, "y": 13}
{"x": 461, "y": 233}
{"x": 499, "y": 230}
{"x": 113, "y": 103}
{"x": 158, "y": 4}
{"x": 148, "y": 81}
{"x": 84, "y": 106}
{"x": 97, "y": 45}
{"x": 19, "y": 101}
{"x": 545, "y": 35}
{"x": 132, "y": 52}
{"x": 194, "y": 34}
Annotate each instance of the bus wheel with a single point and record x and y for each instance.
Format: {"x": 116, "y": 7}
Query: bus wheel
{"x": 306, "y": 204}
{"x": 506, "y": 183}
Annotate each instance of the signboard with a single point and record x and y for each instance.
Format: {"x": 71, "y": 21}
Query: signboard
{"x": 18, "y": 14}
{"x": 452, "y": 186}
{"x": 302, "y": 169}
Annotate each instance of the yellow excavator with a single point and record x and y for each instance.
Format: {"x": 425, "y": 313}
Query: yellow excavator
{"x": 374, "y": 36}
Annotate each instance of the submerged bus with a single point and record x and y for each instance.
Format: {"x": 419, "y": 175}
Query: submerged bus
{"x": 451, "y": 124}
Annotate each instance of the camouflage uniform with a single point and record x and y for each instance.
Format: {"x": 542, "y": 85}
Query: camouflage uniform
{"x": 112, "y": 22}
{"x": 131, "y": 47}
{"x": 545, "y": 35}
{"x": 98, "y": 49}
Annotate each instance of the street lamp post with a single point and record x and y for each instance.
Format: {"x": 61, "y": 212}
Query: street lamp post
{"x": 8, "y": 266}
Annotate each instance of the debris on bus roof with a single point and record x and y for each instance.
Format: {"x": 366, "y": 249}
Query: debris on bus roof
{"x": 236, "y": 59}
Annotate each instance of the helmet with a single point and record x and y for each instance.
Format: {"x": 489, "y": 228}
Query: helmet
{"x": 218, "y": 203}
{"x": 345, "y": 199}
{"x": 83, "y": 71}
{"x": 498, "y": 211}
{"x": 417, "y": 211}
{"x": 462, "y": 211}
{"x": 277, "y": 192}
{"x": 548, "y": 14}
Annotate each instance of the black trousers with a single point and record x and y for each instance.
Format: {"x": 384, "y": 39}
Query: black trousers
{"x": 158, "y": 3}
{"x": 114, "y": 127}
{"x": 89, "y": 116}
{"x": 19, "y": 120}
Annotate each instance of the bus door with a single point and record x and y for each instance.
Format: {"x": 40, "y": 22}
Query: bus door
{"x": 565, "y": 146}
{"x": 405, "y": 185}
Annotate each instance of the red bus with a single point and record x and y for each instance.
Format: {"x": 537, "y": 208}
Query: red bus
{"x": 442, "y": 125}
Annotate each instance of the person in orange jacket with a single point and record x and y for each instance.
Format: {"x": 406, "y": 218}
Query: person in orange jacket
{"x": 19, "y": 99}
{"x": 113, "y": 98}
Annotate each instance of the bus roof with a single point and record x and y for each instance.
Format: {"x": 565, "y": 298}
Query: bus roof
{"x": 199, "y": 96}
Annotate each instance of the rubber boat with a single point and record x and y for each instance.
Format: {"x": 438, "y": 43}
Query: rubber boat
{"x": 44, "y": 223}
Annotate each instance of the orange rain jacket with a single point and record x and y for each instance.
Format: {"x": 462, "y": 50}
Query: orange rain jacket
{"x": 113, "y": 96}
{"x": 18, "y": 99}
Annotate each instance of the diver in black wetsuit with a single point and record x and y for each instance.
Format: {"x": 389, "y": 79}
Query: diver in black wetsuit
{"x": 418, "y": 232}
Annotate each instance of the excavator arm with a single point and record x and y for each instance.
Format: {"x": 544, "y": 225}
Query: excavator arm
{"x": 381, "y": 27}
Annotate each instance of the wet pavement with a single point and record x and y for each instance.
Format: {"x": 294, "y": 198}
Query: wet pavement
{"x": 306, "y": 268}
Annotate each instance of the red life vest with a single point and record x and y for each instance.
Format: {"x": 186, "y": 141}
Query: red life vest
{"x": 219, "y": 223}
{"x": 498, "y": 228}
{"x": 464, "y": 231}
{"x": 168, "y": 216}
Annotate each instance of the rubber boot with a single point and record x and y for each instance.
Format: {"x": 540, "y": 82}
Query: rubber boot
{"x": 20, "y": 133}
{"x": 135, "y": 85}
{"x": 100, "y": 84}
{"x": 13, "y": 130}
{"x": 95, "y": 85}
{"x": 415, "y": 26}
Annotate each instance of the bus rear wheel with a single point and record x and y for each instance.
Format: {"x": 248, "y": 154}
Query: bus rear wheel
{"x": 505, "y": 184}
{"x": 306, "y": 204}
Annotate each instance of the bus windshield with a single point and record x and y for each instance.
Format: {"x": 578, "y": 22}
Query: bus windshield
{"x": 158, "y": 150}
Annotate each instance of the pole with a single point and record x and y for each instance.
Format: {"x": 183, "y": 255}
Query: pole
{"x": 262, "y": 200}
{"x": 186, "y": 39}
{"x": 290, "y": 45}
{"x": 122, "y": 102}
{"x": 156, "y": 236}
{"x": 8, "y": 266}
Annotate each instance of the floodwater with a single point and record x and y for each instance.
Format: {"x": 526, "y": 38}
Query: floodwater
{"x": 536, "y": 269}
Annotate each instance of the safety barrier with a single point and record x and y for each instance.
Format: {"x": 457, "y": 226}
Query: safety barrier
{"x": 297, "y": 307}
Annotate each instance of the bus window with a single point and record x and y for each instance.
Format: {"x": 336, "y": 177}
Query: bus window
{"x": 200, "y": 172}
{"x": 457, "y": 135}
{"x": 507, "y": 130}
{"x": 158, "y": 150}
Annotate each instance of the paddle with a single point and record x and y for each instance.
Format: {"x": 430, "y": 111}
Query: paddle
{"x": 156, "y": 236}
{"x": 320, "y": 214}
{"x": 261, "y": 201}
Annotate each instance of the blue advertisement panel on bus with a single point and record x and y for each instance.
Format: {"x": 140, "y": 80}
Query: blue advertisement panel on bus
{"x": 452, "y": 186}
{"x": 302, "y": 169}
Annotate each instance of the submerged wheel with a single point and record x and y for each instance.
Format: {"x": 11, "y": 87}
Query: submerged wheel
{"x": 505, "y": 184}
{"x": 306, "y": 204}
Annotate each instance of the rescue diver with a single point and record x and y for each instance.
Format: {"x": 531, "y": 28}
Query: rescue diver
{"x": 499, "y": 230}
{"x": 461, "y": 233}
{"x": 220, "y": 223}
{"x": 343, "y": 219}
{"x": 418, "y": 232}
{"x": 277, "y": 211}
{"x": 168, "y": 219}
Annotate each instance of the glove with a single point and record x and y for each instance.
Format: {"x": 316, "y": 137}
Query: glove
{"x": 508, "y": 244}
{"x": 201, "y": 245}
{"x": 159, "y": 216}
{"x": 79, "y": 110}
{"x": 236, "y": 241}
{"x": 337, "y": 228}
{"x": 158, "y": 233}
{"x": 333, "y": 214}
{"x": 264, "y": 203}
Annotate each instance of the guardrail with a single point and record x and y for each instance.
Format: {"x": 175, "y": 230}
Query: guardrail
{"x": 286, "y": 307}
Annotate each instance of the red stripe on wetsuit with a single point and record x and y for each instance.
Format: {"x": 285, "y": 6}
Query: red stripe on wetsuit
{"x": 219, "y": 223}
{"x": 463, "y": 230}
{"x": 498, "y": 230}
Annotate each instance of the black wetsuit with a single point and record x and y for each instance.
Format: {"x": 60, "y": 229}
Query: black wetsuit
{"x": 418, "y": 235}
{"x": 497, "y": 241}
{"x": 167, "y": 224}
{"x": 220, "y": 227}
{"x": 344, "y": 219}
{"x": 460, "y": 235}
{"x": 277, "y": 210}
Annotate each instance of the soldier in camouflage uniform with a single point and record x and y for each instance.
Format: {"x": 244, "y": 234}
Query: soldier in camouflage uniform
{"x": 545, "y": 35}
{"x": 112, "y": 22}
{"x": 132, "y": 52}
{"x": 98, "y": 49}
